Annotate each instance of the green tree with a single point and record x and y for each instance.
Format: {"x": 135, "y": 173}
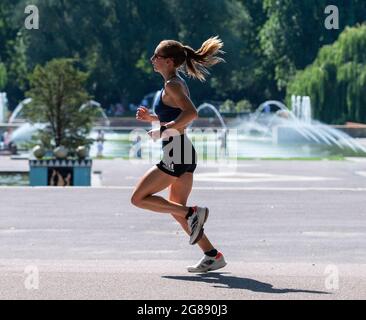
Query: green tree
{"x": 294, "y": 32}
{"x": 197, "y": 21}
{"x": 230, "y": 106}
{"x": 115, "y": 40}
{"x": 9, "y": 50}
{"x": 8, "y": 29}
{"x": 3, "y": 76}
{"x": 17, "y": 66}
{"x": 259, "y": 68}
{"x": 243, "y": 106}
{"x": 266, "y": 42}
{"x": 336, "y": 81}
{"x": 57, "y": 92}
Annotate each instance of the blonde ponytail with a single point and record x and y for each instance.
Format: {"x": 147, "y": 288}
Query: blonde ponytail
{"x": 198, "y": 62}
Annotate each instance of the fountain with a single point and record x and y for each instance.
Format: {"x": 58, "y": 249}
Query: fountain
{"x": 93, "y": 103}
{"x": 266, "y": 107}
{"x": 272, "y": 131}
{"x": 301, "y": 107}
{"x": 18, "y": 109}
{"x": 217, "y": 113}
{"x": 219, "y": 144}
{"x": 296, "y": 128}
{"x": 25, "y": 131}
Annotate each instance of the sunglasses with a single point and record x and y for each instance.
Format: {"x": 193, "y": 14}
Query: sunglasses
{"x": 156, "y": 55}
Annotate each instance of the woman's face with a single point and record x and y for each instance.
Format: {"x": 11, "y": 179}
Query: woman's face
{"x": 160, "y": 62}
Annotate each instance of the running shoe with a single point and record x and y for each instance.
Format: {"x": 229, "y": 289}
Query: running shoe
{"x": 208, "y": 264}
{"x": 195, "y": 224}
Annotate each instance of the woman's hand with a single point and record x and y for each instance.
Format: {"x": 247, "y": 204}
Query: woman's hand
{"x": 143, "y": 114}
{"x": 154, "y": 134}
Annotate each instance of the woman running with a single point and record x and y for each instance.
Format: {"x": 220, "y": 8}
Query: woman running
{"x": 175, "y": 111}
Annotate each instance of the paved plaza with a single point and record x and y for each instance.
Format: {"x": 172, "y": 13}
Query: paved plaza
{"x": 288, "y": 229}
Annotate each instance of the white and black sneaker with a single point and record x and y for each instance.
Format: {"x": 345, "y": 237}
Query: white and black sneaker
{"x": 196, "y": 222}
{"x": 208, "y": 264}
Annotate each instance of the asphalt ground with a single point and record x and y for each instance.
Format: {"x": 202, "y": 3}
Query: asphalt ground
{"x": 288, "y": 230}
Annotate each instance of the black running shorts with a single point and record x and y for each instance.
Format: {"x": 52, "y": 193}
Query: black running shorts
{"x": 179, "y": 156}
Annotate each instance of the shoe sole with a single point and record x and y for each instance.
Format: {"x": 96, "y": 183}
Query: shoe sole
{"x": 200, "y": 234}
{"x": 220, "y": 267}
{"x": 209, "y": 269}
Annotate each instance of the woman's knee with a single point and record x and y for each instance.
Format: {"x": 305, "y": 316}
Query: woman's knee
{"x": 137, "y": 199}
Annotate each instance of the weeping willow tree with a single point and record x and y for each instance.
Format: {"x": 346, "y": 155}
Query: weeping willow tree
{"x": 336, "y": 81}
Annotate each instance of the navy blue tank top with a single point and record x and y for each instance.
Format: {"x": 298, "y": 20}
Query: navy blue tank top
{"x": 165, "y": 113}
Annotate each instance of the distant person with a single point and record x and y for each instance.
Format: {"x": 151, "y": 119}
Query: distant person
{"x": 100, "y": 149}
{"x": 6, "y": 137}
{"x": 267, "y": 108}
{"x": 120, "y": 109}
{"x": 175, "y": 110}
{"x": 13, "y": 148}
{"x": 137, "y": 147}
{"x": 223, "y": 142}
{"x": 100, "y": 143}
{"x": 110, "y": 110}
{"x": 100, "y": 136}
{"x": 2, "y": 144}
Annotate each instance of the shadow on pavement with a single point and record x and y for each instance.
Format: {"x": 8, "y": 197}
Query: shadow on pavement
{"x": 222, "y": 280}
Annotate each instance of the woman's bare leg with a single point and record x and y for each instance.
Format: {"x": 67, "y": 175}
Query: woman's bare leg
{"x": 153, "y": 182}
{"x": 178, "y": 193}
